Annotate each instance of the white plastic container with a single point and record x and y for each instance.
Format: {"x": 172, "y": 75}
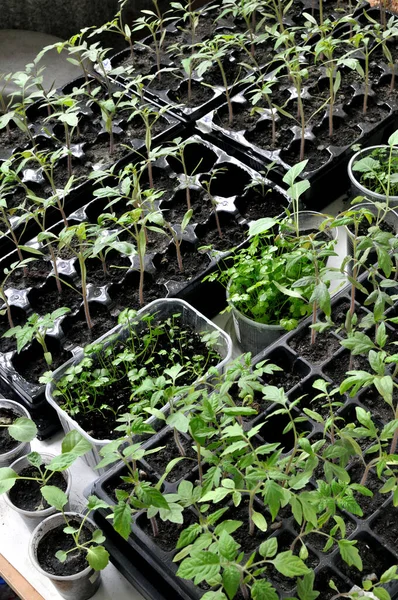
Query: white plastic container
{"x": 253, "y": 336}
{"x": 163, "y": 308}
{"x": 32, "y": 518}
{"x": 357, "y": 189}
{"x": 21, "y": 448}
{"x": 80, "y": 586}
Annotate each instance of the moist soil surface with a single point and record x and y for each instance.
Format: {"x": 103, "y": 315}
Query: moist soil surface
{"x": 324, "y": 346}
{"x": 26, "y": 494}
{"x": 168, "y": 533}
{"x": 255, "y": 206}
{"x": 375, "y": 559}
{"x": 161, "y": 459}
{"x": 55, "y": 540}
{"x": 7, "y": 417}
{"x": 322, "y": 584}
{"x": 193, "y": 264}
{"x": 337, "y": 368}
{"x": 377, "y": 405}
{"x": 368, "y": 504}
{"x": 31, "y": 364}
{"x": 291, "y": 374}
{"x": 385, "y": 525}
{"x": 285, "y": 540}
{"x": 200, "y": 94}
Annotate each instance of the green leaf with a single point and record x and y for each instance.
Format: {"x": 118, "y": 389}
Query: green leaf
{"x": 231, "y": 581}
{"x": 23, "y": 430}
{"x": 381, "y": 593}
{"x": 389, "y": 575}
{"x": 77, "y": 444}
{"x": 269, "y": 548}
{"x": 7, "y": 479}
{"x": 259, "y": 521}
{"x": 202, "y": 567}
{"x": 286, "y": 291}
{"x": 261, "y": 226}
{"x": 305, "y": 587}
{"x": 97, "y": 557}
{"x": 227, "y": 546}
{"x": 98, "y": 536}
{"x": 349, "y": 553}
{"x": 122, "y": 519}
{"x": 219, "y": 595}
{"x": 189, "y": 535}
{"x": 289, "y": 565}
{"x": 179, "y": 421}
{"x": 263, "y": 590}
{"x": 61, "y": 555}
{"x": 54, "y": 496}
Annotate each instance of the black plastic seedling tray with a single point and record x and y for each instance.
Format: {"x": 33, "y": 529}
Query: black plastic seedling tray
{"x": 112, "y": 295}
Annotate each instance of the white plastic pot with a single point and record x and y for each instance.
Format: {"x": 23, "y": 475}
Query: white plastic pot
{"x": 32, "y": 518}
{"x": 21, "y": 448}
{"x": 252, "y": 336}
{"x": 80, "y": 586}
{"x": 357, "y": 188}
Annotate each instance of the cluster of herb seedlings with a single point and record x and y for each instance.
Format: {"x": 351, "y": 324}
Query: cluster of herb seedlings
{"x": 152, "y": 362}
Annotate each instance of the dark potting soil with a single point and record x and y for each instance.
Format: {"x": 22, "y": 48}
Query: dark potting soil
{"x": 76, "y": 330}
{"x": 248, "y": 542}
{"x": 36, "y": 273}
{"x": 18, "y": 318}
{"x": 375, "y": 559}
{"x": 125, "y": 294}
{"x": 161, "y": 459}
{"x": 200, "y": 94}
{"x": 12, "y": 140}
{"x": 377, "y": 405}
{"x": 261, "y": 136}
{"x": 31, "y": 364}
{"x": 168, "y": 533}
{"x": 318, "y": 541}
{"x": 337, "y": 368}
{"x": 273, "y": 431}
{"x": 317, "y": 155}
{"x": 368, "y": 504}
{"x": 285, "y": 541}
{"x": 116, "y": 266}
{"x": 307, "y": 396}
{"x": 55, "y": 540}
{"x": 322, "y": 583}
{"x": 193, "y": 263}
{"x": 244, "y": 116}
{"x": 26, "y": 494}
{"x": 385, "y": 525}
{"x": 339, "y": 314}
{"x": 7, "y": 417}
{"x": 290, "y": 375}
{"x": 115, "y": 483}
{"x": 175, "y": 209}
{"x": 232, "y": 234}
{"x": 324, "y": 347}
{"x": 253, "y": 205}
{"x": 46, "y": 299}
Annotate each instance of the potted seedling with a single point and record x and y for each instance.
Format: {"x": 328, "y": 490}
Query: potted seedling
{"x": 24, "y": 481}
{"x": 75, "y": 545}
{"x": 17, "y": 430}
{"x": 36, "y": 328}
{"x": 373, "y": 172}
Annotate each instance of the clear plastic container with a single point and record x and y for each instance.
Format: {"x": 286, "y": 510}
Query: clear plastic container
{"x": 357, "y": 189}
{"x": 22, "y": 448}
{"x": 163, "y": 309}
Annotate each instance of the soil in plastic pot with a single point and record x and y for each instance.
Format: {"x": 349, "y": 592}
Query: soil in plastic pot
{"x": 26, "y": 494}
{"x": 7, "y": 417}
{"x": 55, "y": 540}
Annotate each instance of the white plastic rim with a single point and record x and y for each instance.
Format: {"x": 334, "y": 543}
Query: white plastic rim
{"x": 363, "y": 191}
{"x": 18, "y": 465}
{"x": 23, "y": 447}
{"x": 44, "y": 527}
{"x": 93, "y": 457}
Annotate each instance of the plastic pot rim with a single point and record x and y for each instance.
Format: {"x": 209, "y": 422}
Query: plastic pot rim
{"x": 5, "y": 403}
{"x": 47, "y": 512}
{"x": 36, "y": 535}
{"x": 354, "y": 181}
{"x": 96, "y": 442}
